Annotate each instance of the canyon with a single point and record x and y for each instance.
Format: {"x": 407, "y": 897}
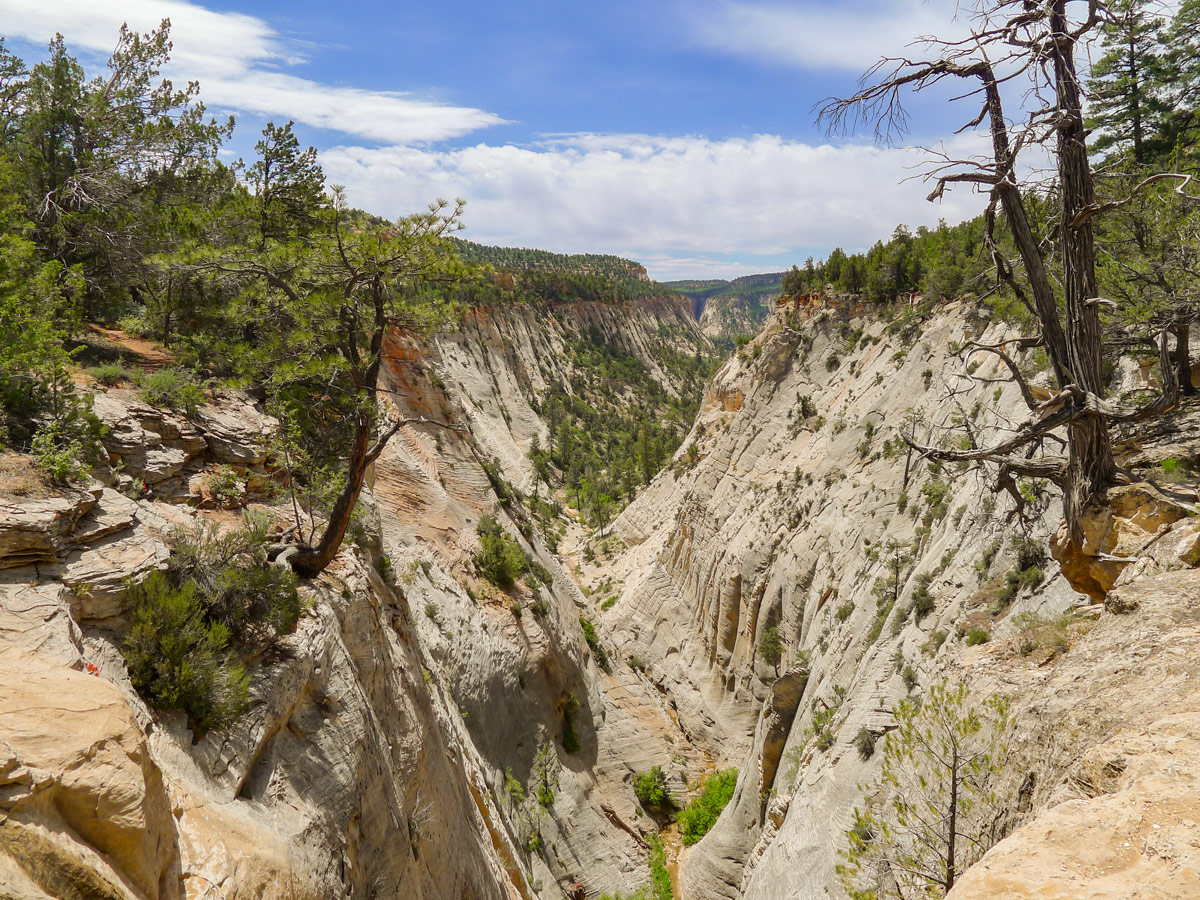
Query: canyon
{"x": 399, "y": 735}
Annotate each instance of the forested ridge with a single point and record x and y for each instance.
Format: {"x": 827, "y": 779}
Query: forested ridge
{"x": 737, "y": 307}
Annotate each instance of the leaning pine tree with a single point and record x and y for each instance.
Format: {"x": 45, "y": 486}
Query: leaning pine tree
{"x": 1010, "y": 40}
{"x": 317, "y": 289}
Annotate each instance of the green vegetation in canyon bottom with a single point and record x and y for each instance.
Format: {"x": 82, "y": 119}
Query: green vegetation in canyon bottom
{"x": 701, "y": 812}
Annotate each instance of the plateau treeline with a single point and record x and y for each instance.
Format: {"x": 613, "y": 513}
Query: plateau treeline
{"x": 1143, "y": 113}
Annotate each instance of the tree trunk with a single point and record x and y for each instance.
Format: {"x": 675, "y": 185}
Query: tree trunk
{"x": 1183, "y": 362}
{"x": 951, "y": 869}
{"x": 1090, "y": 466}
{"x": 310, "y": 561}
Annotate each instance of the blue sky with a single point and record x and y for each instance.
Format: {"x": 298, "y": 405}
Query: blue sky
{"x": 680, "y": 134}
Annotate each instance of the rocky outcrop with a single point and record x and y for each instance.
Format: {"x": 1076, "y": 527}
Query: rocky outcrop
{"x": 1135, "y": 839}
{"x": 1119, "y": 715}
{"x": 797, "y": 512}
{"x": 1129, "y": 525}
{"x": 85, "y": 809}
{"x": 174, "y": 455}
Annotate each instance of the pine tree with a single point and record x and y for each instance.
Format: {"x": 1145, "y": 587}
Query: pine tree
{"x": 936, "y": 810}
{"x": 1127, "y": 91}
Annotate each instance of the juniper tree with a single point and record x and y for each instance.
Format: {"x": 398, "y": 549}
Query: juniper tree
{"x": 1011, "y": 40}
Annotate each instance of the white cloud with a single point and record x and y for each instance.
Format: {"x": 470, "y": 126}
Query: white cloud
{"x": 660, "y": 200}
{"x": 235, "y": 57}
{"x": 814, "y": 35}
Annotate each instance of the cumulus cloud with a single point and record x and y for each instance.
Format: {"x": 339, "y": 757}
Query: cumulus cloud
{"x": 669, "y": 202}
{"x": 237, "y": 58}
{"x": 812, "y": 35}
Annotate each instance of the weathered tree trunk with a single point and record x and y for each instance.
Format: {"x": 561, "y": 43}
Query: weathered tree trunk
{"x": 1090, "y": 464}
{"x": 1183, "y": 361}
{"x": 310, "y": 561}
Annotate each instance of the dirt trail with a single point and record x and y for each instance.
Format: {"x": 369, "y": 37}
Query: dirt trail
{"x": 145, "y": 355}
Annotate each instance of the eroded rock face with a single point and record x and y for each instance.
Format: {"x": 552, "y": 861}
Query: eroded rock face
{"x": 1124, "y": 819}
{"x": 83, "y": 801}
{"x": 1135, "y": 839}
{"x": 376, "y": 757}
{"x": 1117, "y": 532}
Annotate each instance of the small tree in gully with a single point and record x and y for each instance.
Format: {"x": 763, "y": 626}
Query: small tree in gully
{"x": 935, "y": 810}
{"x": 1035, "y": 42}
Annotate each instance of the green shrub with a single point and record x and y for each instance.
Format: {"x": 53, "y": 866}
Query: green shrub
{"x": 609, "y": 603}
{"x": 845, "y": 611}
{"x": 67, "y": 444}
{"x": 501, "y": 559}
{"x": 224, "y": 485}
{"x": 659, "y": 885}
{"x": 978, "y": 635}
{"x": 934, "y": 644}
{"x": 701, "y": 812}
{"x": 256, "y": 600}
{"x": 110, "y": 374}
{"x": 923, "y": 601}
{"x": 219, "y": 593}
{"x": 179, "y": 658}
{"x": 984, "y": 565}
{"x": 173, "y": 388}
{"x": 61, "y": 461}
{"x": 771, "y": 648}
{"x": 136, "y": 324}
{"x": 1030, "y": 553}
{"x": 570, "y": 737}
{"x": 650, "y": 787}
{"x": 864, "y": 742}
{"x": 593, "y": 641}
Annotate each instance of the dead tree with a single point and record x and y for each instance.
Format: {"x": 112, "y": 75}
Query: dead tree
{"x": 1031, "y": 44}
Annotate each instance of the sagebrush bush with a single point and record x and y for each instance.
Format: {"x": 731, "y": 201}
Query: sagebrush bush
{"x": 173, "y": 388}
{"x": 110, "y": 374}
{"x": 978, "y": 635}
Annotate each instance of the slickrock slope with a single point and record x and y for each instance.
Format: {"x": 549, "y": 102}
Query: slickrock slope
{"x": 324, "y": 787}
{"x": 515, "y": 677}
{"x": 796, "y": 512}
{"x": 386, "y": 730}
